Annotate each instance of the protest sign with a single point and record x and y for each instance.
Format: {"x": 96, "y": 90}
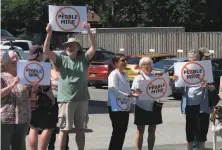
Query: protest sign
{"x": 33, "y": 71}
{"x": 193, "y": 73}
{"x": 156, "y": 88}
{"x": 119, "y": 104}
{"x": 67, "y": 18}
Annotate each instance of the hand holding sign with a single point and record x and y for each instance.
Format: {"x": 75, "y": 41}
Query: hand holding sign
{"x": 86, "y": 26}
{"x": 35, "y": 85}
{"x": 204, "y": 84}
{"x": 15, "y": 81}
{"x": 134, "y": 95}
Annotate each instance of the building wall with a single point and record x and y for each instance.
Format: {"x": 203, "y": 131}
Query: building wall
{"x": 163, "y": 42}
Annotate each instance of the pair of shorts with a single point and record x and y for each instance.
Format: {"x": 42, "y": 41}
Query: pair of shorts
{"x": 72, "y": 112}
{"x": 197, "y": 124}
{"x": 44, "y": 117}
{"x": 143, "y": 117}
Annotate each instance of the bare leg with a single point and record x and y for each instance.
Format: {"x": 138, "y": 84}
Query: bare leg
{"x": 44, "y": 138}
{"x": 190, "y": 145}
{"x": 151, "y": 136}
{"x": 33, "y": 138}
{"x": 62, "y": 139}
{"x": 139, "y": 136}
{"x": 80, "y": 139}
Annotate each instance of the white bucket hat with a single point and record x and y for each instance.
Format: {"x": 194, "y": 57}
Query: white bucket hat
{"x": 71, "y": 40}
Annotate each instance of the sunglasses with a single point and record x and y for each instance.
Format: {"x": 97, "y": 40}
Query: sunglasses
{"x": 123, "y": 60}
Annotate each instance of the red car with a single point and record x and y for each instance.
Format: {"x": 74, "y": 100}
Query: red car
{"x": 100, "y": 68}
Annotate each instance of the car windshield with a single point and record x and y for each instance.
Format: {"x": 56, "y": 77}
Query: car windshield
{"x": 134, "y": 60}
{"x": 164, "y": 64}
{"x": 23, "y": 45}
{"x": 101, "y": 56}
{"x": 5, "y": 33}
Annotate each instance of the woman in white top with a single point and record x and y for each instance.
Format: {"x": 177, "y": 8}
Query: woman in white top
{"x": 119, "y": 88}
{"x": 144, "y": 114}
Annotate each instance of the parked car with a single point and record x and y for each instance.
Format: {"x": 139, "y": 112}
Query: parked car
{"x": 24, "y": 44}
{"x": 5, "y": 35}
{"x": 100, "y": 68}
{"x": 133, "y": 68}
{"x": 18, "y": 50}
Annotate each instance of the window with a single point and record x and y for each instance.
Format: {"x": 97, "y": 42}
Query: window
{"x": 164, "y": 64}
{"x": 102, "y": 56}
{"x": 23, "y": 45}
{"x": 217, "y": 64}
{"x": 134, "y": 60}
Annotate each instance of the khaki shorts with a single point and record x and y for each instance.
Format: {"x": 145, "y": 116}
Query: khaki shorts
{"x": 72, "y": 112}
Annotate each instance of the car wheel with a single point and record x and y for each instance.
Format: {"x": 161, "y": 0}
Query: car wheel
{"x": 177, "y": 96}
{"x": 98, "y": 86}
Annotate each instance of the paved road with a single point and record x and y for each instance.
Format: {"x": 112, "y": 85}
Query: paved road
{"x": 169, "y": 136}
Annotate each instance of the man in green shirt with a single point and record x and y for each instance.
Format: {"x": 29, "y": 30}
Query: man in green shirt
{"x": 73, "y": 91}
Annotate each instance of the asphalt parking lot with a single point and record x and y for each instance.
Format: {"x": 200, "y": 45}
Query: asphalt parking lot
{"x": 169, "y": 136}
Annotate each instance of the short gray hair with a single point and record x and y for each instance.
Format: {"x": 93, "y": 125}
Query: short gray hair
{"x": 147, "y": 60}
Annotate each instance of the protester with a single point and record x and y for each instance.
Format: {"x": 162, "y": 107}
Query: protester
{"x": 15, "y": 104}
{"x": 144, "y": 114}
{"x": 210, "y": 99}
{"x": 55, "y": 83}
{"x": 44, "y": 111}
{"x": 73, "y": 91}
{"x": 194, "y": 101}
{"x": 118, "y": 85}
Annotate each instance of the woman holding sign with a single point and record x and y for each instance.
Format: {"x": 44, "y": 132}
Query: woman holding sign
{"x": 197, "y": 107}
{"x": 119, "y": 103}
{"x": 144, "y": 114}
{"x": 44, "y": 110}
{"x": 15, "y": 104}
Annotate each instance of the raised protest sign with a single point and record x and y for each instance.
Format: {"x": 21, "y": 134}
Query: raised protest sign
{"x": 193, "y": 73}
{"x": 119, "y": 104}
{"x": 67, "y": 18}
{"x": 156, "y": 88}
{"x": 33, "y": 71}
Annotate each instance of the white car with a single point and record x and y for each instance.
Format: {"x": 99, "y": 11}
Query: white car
{"x": 24, "y": 44}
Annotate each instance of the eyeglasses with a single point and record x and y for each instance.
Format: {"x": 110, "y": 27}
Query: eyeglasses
{"x": 123, "y": 60}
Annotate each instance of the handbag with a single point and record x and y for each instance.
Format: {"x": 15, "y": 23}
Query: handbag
{"x": 157, "y": 106}
{"x": 43, "y": 98}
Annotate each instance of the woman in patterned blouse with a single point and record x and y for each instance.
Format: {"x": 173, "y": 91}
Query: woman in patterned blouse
{"x": 15, "y": 105}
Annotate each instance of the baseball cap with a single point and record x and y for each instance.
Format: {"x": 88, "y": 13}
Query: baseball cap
{"x": 34, "y": 51}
